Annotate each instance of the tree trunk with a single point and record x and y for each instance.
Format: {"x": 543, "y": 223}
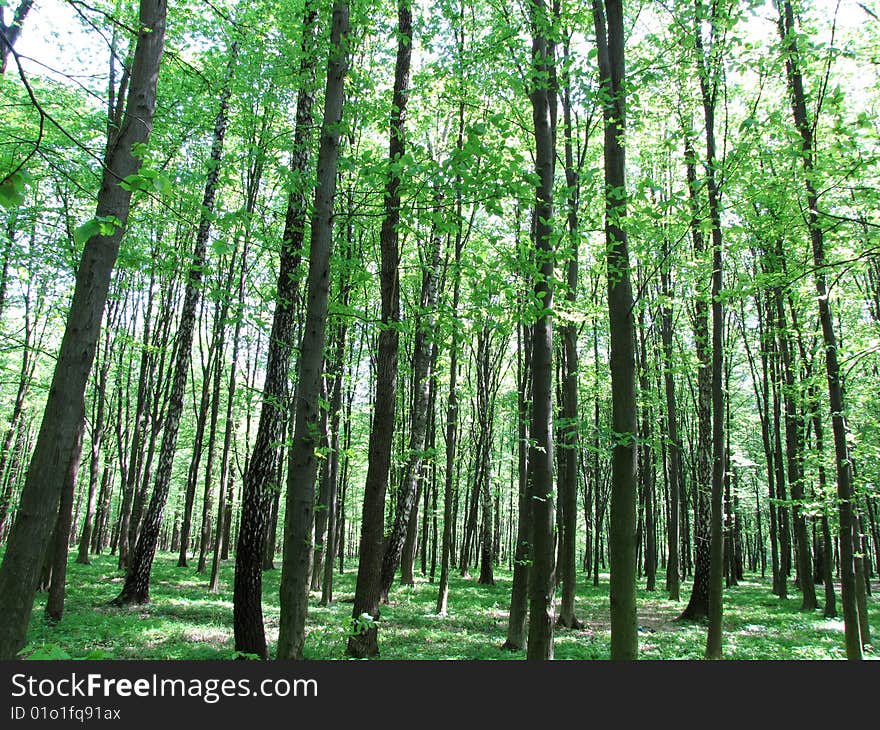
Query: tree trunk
{"x": 832, "y": 366}
{"x": 256, "y": 496}
{"x": 621, "y": 548}
{"x": 568, "y": 478}
{"x": 55, "y": 601}
{"x": 542, "y": 581}
{"x": 56, "y": 448}
{"x": 516, "y": 623}
{"x": 363, "y": 641}
{"x": 673, "y": 578}
{"x": 137, "y": 580}
{"x": 422, "y": 365}
{"x": 302, "y": 464}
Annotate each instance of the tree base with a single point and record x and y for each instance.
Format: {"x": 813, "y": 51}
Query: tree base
{"x": 569, "y": 622}
{"x": 364, "y": 645}
{"x": 131, "y": 598}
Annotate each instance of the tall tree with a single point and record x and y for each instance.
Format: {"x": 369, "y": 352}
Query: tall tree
{"x": 303, "y": 465}
{"x": 256, "y": 495}
{"x": 804, "y": 126}
{"x": 57, "y": 446}
{"x": 363, "y": 641}
{"x": 542, "y": 580}
{"x": 608, "y": 19}
{"x": 137, "y": 579}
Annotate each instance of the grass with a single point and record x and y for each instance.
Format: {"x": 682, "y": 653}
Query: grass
{"x": 184, "y": 621}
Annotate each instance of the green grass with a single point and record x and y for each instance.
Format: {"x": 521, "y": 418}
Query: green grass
{"x": 184, "y": 621}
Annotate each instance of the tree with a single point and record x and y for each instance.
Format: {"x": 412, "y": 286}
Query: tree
{"x": 542, "y": 581}
{"x": 303, "y": 466}
{"x": 256, "y": 492}
{"x": 57, "y": 445}
{"x": 137, "y": 579}
{"x": 804, "y": 127}
{"x": 363, "y": 641}
{"x": 621, "y": 539}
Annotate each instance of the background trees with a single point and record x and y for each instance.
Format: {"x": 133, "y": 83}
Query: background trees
{"x": 442, "y": 416}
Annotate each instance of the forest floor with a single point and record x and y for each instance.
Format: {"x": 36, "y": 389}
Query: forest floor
{"x": 185, "y": 621}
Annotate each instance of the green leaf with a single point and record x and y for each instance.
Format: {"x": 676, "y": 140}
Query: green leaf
{"x": 102, "y": 225}
{"x": 12, "y": 189}
{"x": 83, "y": 233}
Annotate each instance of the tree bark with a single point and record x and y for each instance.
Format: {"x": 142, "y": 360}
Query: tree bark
{"x": 302, "y": 464}
{"x": 832, "y": 365}
{"x": 542, "y": 581}
{"x": 621, "y": 540}
{"x": 256, "y": 496}
{"x": 56, "y": 448}
{"x": 363, "y": 641}
{"x": 407, "y": 495}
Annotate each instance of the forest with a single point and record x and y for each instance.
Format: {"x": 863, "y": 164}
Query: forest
{"x": 446, "y": 329}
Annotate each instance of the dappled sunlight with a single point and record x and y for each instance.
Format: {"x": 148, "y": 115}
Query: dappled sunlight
{"x": 185, "y": 621}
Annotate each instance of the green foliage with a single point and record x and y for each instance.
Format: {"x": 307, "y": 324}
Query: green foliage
{"x": 97, "y": 226}
{"x": 12, "y": 189}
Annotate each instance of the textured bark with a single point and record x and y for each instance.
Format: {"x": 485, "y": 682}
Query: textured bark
{"x": 256, "y": 495}
{"x": 57, "y": 584}
{"x": 698, "y": 603}
{"x": 137, "y": 580}
{"x": 709, "y": 73}
{"x": 363, "y": 641}
{"x": 542, "y": 581}
{"x": 57, "y": 444}
{"x": 621, "y": 540}
{"x": 302, "y": 464}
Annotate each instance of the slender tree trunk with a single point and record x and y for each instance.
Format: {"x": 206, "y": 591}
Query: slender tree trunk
{"x": 57, "y": 446}
{"x": 794, "y": 448}
{"x": 137, "y": 580}
{"x": 542, "y": 581}
{"x": 832, "y": 365}
{"x": 225, "y": 475}
{"x": 516, "y": 624}
{"x": 673, "y": 579}
{"x": 624, "y": 633}
{"x": 363, "y": 642}
{"x": 256, "y": 495}
{"x": 302, "y": 464}
{"x": 95, "y": 456}
{"x": 57, "y": 584}
{"x": 407, "y": 495}
{"x": 568, "y": 482}
{"x": 698, "y": 604}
